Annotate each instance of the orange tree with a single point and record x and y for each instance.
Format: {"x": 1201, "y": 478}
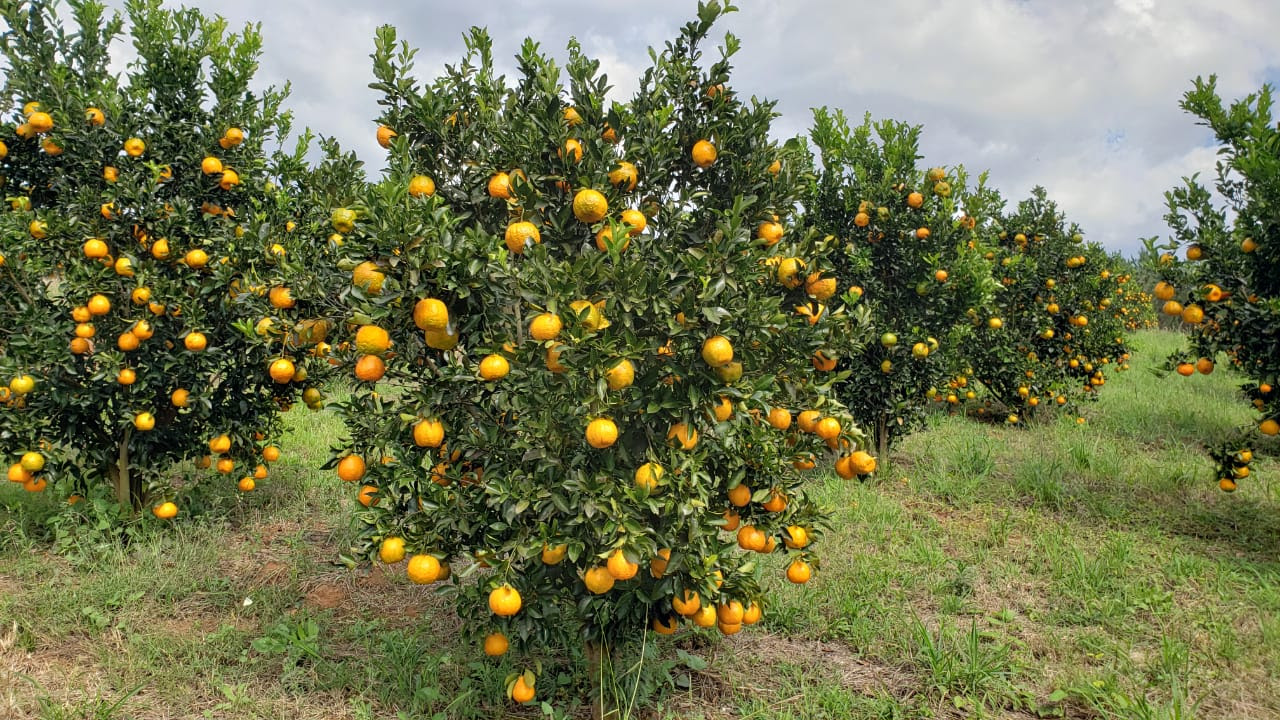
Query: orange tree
{"x": 134, "y": 250}
{"x": 577, "y": 352}
{"x": 1054, "y": 326}
{"x": 906, "y": 248}
{"x": 1133, "y": 300}
{"x": 1227, "y": 290}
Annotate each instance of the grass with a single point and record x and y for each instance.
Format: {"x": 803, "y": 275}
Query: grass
{"x": 1060, "y": 570}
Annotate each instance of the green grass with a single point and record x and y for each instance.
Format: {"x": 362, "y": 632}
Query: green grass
{"x": 1059, "y": 570}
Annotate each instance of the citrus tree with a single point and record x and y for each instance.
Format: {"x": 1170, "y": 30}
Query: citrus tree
{"x": 1133, "y": 299}
{"x": 579, "y": 342}
{"x": 136, "y": 251}
{"x": 1226, "y": 287}
{"x": 1053, "y": 328}
{"x": 906, "y": 247}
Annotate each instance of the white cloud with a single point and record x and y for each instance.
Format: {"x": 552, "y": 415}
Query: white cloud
{"x": 1081, "y": 97}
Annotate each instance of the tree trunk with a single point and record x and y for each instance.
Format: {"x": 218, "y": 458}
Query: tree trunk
{"x": 602, "y": 708}
{"x": 120, "y": 476}
{"x": 882, "y": 437}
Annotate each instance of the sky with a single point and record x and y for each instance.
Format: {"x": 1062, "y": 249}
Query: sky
{"x": 1080, "y": 97}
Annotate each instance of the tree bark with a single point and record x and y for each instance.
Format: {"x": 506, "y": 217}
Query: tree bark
{"x": 120, "y": 476}
{"x": 882, "y": 437}
{"x": 601, "y": 708}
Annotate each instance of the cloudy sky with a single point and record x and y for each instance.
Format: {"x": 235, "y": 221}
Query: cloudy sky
{"x": 1081, "y": 97}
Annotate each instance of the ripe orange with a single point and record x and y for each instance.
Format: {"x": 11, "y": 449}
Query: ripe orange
{"x": 368, "y": 278}
{"x": 705, "y": 616}
{"x": 133, "y": 147}
{"x": 391, "y": 550}
{"x": 620, "y": 375}
{"x": 686, "y": 604}
{"x": 731, "y": 520}
{"x": 823, "y": 361}
{"x": 1269, "y": 427}
{"x": 196, "y": 259}
{"x": 128, "y": 342}
{"x": 863, "y": 462}
{"x": 648, "y": 476}
{"x": 665, "y": 627}
{"x": 545, "y": 327}
{"x": 40, "y": 122}
{"x": 282, "y": 370}
{"x": 230, "y": 178}
{"x": 19, "y": 474}
{"x": 635, "y": 221}
{"x": 1204, "y": 365}
{"x": 751, "y": 538}
{"x": 368, "y": 495}
{"x": 431, "y": 314}
{"x": 553, "y": 359}
{"x": 624, "y": 176}
{"x": 98, "y": 305}
{"x": 351, "y": 468}
{"x": 553, "y": 555}
{"x": 195, "y": 341}
{"x": 522, "y": 692}
{"x": 95, "y": 249}
{"x": 828, "y": 428}
{"x": 384, "y": 136}
{"x": 281, "y": 297}
{"x": 233, "y": 136}
{"x": 246, "y": 484}
{"x": 423, "y": 569}
{"x": 799, "y": 571}
{"x": 795, "y": 537}
{"x": 500, "y": 186}
{"x": 770, "y": 233}
{"x": 504, "y": 600}
{"x": 658, "y": 565}
{"x": 686, "y": 436}
{"x": 620, "y": 567}
{"x": 495, "y": 644}
{"x": 372, "y": 340}
{"x": 520, "y": 235}
{"x": 601, "y": 433}
{"x": 428, "y": 433}
{"x": 422, "y": 186}
{"x": 370, "y": 368}
{"x": 723, "y": 409}
{"x": 703, "y": 154}
{"x": 572, "y": 150}
{"x": 730, "y": 613}
{"x": 494, "y": 367}
{"x": 165, "y": 510}
{"x": 777, "y": 501}
{"x": 752, "y": 614}
{"x": 780, "y": 418}
{"x": 589, "y": 206}
{"x": 717, "y": 351}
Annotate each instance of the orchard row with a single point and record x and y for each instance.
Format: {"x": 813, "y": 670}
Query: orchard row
{"x": 569, "y": 338}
